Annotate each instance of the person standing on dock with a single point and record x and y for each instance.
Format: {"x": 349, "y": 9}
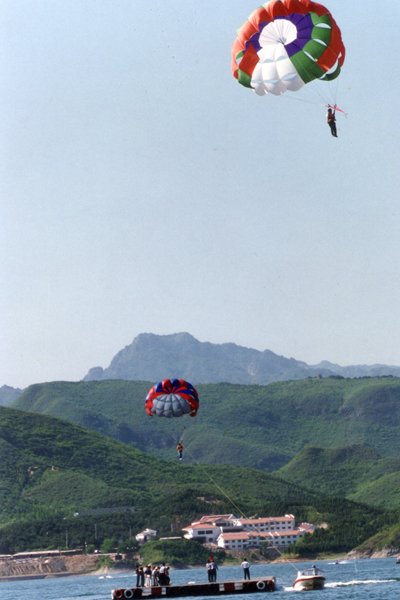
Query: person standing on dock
{"x": 213, "y": 570}
{"x": 208, "y": 567}
{"x": 137, "y": 576}
{"x": 166, "y": 576}
{"x": 141, "y": 577}
{"x": 161, "y": 574}
{"x": 155, "y": 576}
{"x": 246, "y": 568}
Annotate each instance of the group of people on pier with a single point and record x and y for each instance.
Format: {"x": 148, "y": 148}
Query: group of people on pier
{"x": 149, "y": 576}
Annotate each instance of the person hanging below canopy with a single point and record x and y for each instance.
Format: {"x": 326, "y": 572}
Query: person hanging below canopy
{"x": 180, "y": 450}
{"x": 330, "y": 115}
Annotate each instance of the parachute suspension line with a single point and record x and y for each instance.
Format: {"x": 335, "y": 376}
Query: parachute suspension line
{"x": 315, "y": 87}
{"x": 175, "y": 434}
{"x": 230, "y": 500}
{"x": 296, "y": 99}
{"x": 308, "y": 90}
{"x": 374, "y": 127}
{"x": 182, "y": 434}
{"x": 333, "y": 87}
{"x": 237, "y": 508}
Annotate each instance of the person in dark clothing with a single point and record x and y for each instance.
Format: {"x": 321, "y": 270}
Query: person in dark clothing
{"x": 180, "y": 450}
{"x": 330, "y": 115}
{"x": 209, "y": 573}
{"x": 141, "y": 577}
{"x": 161, "y": 575}
{"x": 246, "y": 568}
{"x": 213, "y": 571}
{"x": 137, "y": 576}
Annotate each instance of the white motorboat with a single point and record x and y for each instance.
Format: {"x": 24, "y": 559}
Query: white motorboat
{"x": 310, "y": 579}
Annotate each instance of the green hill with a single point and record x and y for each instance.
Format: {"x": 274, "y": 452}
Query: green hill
{"x": 51, "y": 469}
{"x": 254, "y": 426}
{"x": 48, "y": 463}
{"x": 355, "y": 472}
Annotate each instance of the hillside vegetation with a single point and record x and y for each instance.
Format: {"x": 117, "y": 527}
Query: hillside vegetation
{"x": 52, "y": 466}
{"x": 52, "y": 469}
{"x": 263, "y": 427}
{"x": 355, "y": 472}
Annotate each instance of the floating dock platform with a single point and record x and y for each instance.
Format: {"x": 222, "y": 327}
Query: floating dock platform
{"x": 223, "y": 588}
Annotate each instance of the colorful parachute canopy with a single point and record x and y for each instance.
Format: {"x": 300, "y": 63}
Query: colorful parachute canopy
{"x": 285, "y": 44}
{"x": 172, "y": 398}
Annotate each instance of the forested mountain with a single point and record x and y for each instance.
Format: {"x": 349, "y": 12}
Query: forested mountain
{"x": 50, "y": 465}
{"x": 263, "y": 427}
{"x": 355, "y": 472}
{"x": 156, "y": 357}
{"x": 52, "y": 469}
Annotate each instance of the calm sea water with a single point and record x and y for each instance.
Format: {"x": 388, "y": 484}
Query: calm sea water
{"x": 355, "y": 580}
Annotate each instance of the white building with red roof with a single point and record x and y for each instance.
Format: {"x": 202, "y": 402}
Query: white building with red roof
{"x": 145, "y": 535}
{"x": 253, "y": 539}
{"x": 268, "y": 523}
{"x": 233, "y": 533}
{"x": 210, "y": 527}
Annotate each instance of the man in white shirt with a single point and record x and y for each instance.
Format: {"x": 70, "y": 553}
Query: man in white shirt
{"x": 246, "y": 568}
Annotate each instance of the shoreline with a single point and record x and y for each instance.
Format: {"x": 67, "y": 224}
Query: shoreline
{"x": 4, "y": 578}
{"x": 124, "y": 568}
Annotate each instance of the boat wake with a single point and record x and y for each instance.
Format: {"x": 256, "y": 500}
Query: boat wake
{"x": 340, "y": 562}
{"x": 336, "y": 584}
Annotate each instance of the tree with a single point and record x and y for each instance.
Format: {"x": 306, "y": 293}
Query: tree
{"x": 128, "y": 546}
{"x": 108, "y": 545}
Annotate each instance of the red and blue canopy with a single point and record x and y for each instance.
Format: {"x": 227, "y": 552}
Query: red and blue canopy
{"x": 172, "y": 398}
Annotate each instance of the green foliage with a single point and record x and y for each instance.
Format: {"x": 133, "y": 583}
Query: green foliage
{"x": 347, "y": 525}
{"x": 388, "y": 537}
{"x": 267, "y": 426}
{"x": 128, "y": 546}
{"x": 51, "y": 468}
{"x": 108, "y": 546}
{"x": 26, "y": 534}
{"x": 93, "y": 471}
{"x": 357, "y": 472}
{"x": 104, "y": 561}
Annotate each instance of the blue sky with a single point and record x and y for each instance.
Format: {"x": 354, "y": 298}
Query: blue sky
{"x": 144, "y": 190}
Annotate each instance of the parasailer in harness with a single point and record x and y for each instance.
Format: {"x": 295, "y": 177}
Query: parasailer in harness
{"x": 172, "y": 399}
{"x": 180, "y": 450}
{"x": 330, "y": 115}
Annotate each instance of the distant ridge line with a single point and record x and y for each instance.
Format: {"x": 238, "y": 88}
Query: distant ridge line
{"x": 153, "y": 357}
